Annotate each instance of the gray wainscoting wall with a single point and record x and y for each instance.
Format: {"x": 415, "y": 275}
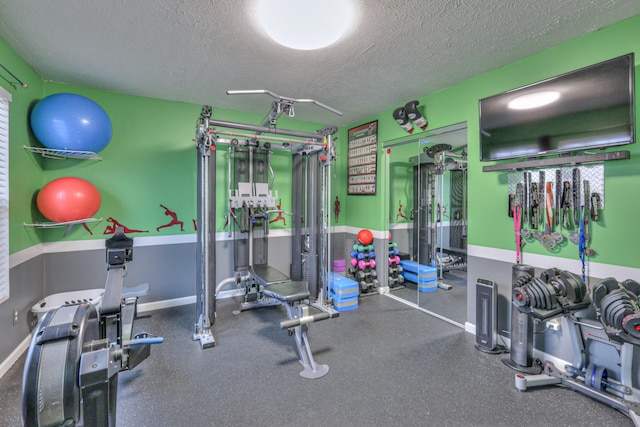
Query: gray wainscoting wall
{"x": 168, "y": 268}
{"x": 27, "y": 286}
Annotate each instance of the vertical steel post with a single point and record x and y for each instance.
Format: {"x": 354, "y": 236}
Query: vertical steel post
{"x": 297, "y": 198}
{"x": 206, "y": 236}
{"x": 312, "y": 221}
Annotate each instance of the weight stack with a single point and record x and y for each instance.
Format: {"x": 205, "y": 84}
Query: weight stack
{"x": 521, "y": 353}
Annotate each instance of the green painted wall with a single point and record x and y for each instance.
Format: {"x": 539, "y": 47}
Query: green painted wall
{"x": 339, "y": 177}
{"x": 614, "y": 236}
{"x": 151, "y": 158}
{"x": 400, "y": 185}
{"x": 25, "y": 172}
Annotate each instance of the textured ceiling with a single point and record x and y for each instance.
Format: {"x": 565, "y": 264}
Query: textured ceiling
{"x": 196, "y": 50}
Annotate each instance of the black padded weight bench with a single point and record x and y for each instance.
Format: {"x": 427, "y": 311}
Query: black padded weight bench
{"x": 266, "y": 275}
{"x": 292, "y": 294}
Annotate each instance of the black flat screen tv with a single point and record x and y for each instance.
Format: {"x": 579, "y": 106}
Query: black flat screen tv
{"x": 590, "y": 108}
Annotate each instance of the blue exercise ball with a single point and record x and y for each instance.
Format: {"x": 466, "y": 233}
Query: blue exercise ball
{"x": 66, "y": 121}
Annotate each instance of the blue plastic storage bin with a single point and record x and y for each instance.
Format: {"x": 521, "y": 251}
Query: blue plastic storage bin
{"x": 424, "y": 276}
{"x": 343, "y": 287}
{"x": 345, "y": 304}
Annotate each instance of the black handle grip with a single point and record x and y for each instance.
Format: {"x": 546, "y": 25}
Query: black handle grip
{"x": 292, "y": 323}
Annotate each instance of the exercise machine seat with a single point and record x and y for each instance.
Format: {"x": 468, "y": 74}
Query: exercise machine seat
{"x": 293, "y": 294}
{"x": 268, "y": 275}
{"x": 289, "y": 291}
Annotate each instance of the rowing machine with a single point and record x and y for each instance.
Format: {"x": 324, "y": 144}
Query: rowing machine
{"x": 71, "y": 371}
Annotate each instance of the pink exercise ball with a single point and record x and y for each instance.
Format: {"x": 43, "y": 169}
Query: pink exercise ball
{"x": 68, "y": 199}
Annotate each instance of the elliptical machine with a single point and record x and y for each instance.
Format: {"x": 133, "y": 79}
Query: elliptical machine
{"x": 71, "y": 371}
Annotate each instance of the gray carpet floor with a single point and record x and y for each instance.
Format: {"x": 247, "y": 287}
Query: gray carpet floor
{"x": 451, "y": 304}
{"x": 390, "y": 365}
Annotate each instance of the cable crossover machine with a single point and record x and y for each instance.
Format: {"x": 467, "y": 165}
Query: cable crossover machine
{"x": 251, "y": 199}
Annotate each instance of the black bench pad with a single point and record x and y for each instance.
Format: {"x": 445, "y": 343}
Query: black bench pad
{"x": 268, "y": 275}
{"x": 289, "y": 291}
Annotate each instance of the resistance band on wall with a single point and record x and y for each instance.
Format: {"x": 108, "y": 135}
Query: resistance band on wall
{"x": 517, "y": 216}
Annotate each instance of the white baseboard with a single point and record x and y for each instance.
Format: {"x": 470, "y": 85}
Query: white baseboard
{"x": 15, "y": 355}
{"x": 593, "y": 269}
{"x": 537, "y": 354}
{"x": 470, "y": 327}
{"x": 176, "y": 302}
{"x": 157, "y": 305}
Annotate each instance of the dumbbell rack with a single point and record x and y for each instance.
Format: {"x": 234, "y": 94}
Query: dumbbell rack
{"x": 363, "y": 268}
{"x": 396, "y": 279}
{"x": 616, "y": 308}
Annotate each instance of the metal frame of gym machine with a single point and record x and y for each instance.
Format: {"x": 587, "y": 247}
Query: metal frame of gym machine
{"x": 312, "y": 153}
{"x": 429, "y": 169}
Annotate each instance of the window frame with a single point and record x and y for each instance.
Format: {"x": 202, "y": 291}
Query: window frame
{"x": 5, "y": 100}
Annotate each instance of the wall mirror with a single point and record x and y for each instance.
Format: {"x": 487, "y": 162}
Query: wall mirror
{"x": 426, "y": 205}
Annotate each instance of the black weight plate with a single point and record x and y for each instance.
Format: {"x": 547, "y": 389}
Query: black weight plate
{"x": 538, "y": 290}
{"x": 576, "y": 289}
{"x": 606, "y": 301}
{"x": 550, "y": 296}
{"x": 619, "y": 313}
{"x": 544, "y": 295}
{"x": 599, "y": 292}
{"x": 632, "y": 286}
{"x": 533, "y": 295}
{"x": 610, "y": 283}
{"x": 537, "y": 299}
{"x": 554, "y": 301}
{"x": 609, "y": 311}
{"x": 614, "y": 310}
{"x": 559, "y": 285}
{"x": 548, "y": 274}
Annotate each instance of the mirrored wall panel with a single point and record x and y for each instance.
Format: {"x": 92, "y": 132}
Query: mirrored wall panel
{"x": 426, "y": 204}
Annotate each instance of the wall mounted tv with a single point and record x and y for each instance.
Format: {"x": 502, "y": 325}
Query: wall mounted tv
{"x": 590, "y": 108}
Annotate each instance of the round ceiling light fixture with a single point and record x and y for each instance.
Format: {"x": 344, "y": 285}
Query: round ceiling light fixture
{"x": 533, "y": 100}
{"x": 305, "y": 24}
